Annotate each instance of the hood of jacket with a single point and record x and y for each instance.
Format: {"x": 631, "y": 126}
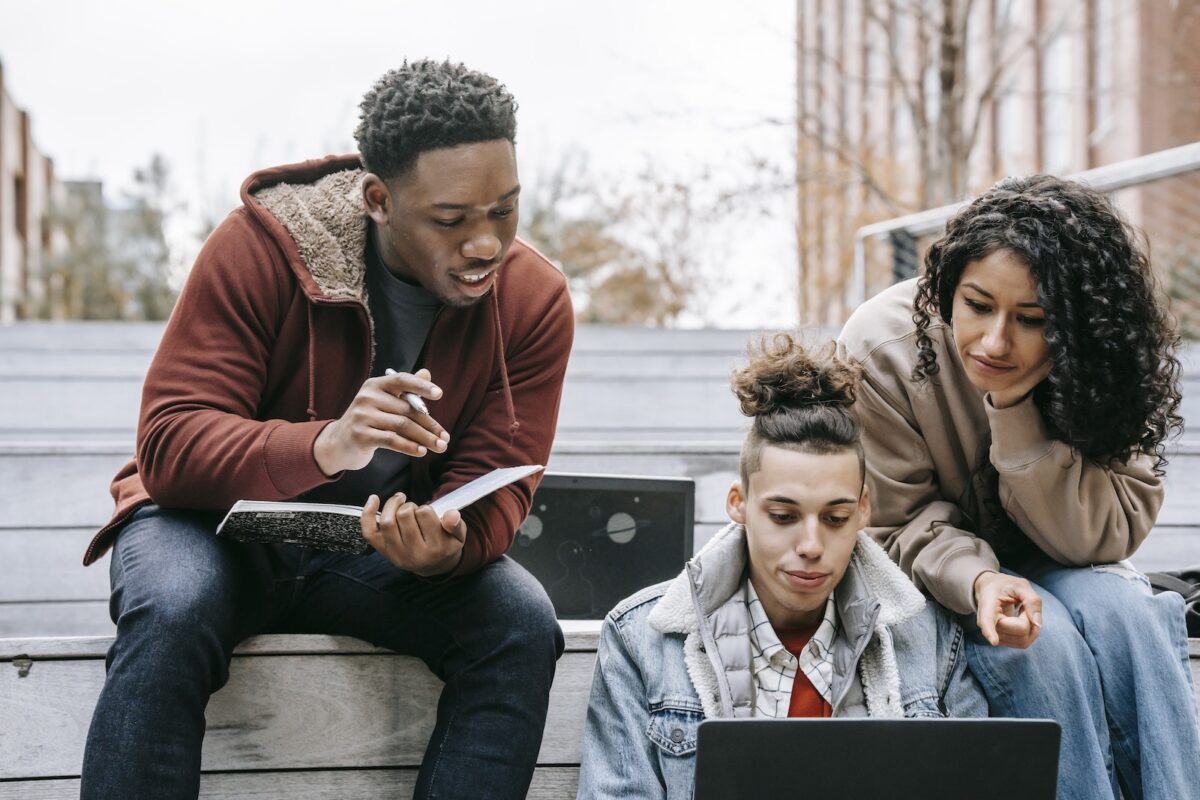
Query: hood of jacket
{"x": 316, "y": 212}
{"x": 704, "y": 604}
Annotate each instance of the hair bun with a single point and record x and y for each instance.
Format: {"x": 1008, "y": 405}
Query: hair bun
{"x": 783, "y": 374}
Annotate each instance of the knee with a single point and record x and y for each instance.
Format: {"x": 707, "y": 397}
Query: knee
{"x": 1114, "y": 607}
{"x": 1059, "y": 650}
{"x": 176, "y": 616}
{"x": 538, "y": 629}
{"x": 529, "y": 621}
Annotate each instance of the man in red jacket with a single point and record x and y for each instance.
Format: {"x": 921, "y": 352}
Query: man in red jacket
{"x": 338, "y": 286}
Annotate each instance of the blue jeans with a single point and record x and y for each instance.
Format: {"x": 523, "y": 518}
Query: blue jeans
{"x": 183, "y": 598}
{"x": 1111, "y": 666}
{"x": 936, "y": 681}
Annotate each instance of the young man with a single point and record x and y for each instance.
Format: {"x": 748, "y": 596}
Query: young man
{"x": 790, "y": 611}
{"x": 337, "y": 287}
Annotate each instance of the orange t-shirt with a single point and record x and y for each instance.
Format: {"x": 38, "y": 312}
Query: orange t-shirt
{"x": 806, "y": 700}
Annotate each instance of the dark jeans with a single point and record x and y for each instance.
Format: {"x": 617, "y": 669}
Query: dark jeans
{"x": 183, "y": 598}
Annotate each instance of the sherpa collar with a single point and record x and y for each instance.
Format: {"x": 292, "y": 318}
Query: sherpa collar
{"x": 328, "y": 222}
{"x": 719, "y": 567}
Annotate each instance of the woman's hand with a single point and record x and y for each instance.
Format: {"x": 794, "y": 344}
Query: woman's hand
{"x": 1009, "y": 610}
{"x": 1010, "y": 396}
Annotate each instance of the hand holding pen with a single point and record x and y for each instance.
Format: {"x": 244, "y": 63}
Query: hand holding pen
{"x": 389, "y": 411}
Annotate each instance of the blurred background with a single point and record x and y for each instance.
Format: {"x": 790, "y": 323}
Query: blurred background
{"x": 701, "y": 165}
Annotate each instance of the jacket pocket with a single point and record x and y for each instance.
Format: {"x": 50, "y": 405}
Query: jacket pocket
{"x": 673, "y": 727}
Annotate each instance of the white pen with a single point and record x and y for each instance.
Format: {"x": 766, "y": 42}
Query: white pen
{"x": 413, "y": 400}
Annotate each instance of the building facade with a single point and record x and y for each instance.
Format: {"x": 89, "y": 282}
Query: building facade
{"x": 913, "y": 104}
{"x": 27, "y": 193}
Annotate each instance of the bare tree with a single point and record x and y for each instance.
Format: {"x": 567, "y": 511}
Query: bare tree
{"x": 630, "y": 247}
{"x": 944, "y": 99}
{"x": 114, "y": 262}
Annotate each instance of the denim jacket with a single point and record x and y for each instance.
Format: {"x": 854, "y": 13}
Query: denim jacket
{"x": 679, "y": 652}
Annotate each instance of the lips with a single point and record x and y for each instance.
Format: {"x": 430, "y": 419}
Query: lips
{"x": 476, "y": 283}
{"x": 989, "y": 367}
{"x": 799, "y": 579}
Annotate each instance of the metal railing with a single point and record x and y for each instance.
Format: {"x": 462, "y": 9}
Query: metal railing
{"x": 1160, "y": 193}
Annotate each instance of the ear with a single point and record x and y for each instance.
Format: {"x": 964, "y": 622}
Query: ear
{"x": 377, "y": 198}
{"x": 864, "y": 504}
{"x": 735, "y": 503}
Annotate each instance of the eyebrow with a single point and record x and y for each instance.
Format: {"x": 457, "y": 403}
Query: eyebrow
{"x": 789, "y": 501}
{"x": 511, "y": 193}
{"x": 989, "y": 296}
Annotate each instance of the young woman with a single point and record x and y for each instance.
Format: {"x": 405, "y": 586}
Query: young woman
{"x": 1016, "y": 399}
{"x": 766, "y": 620}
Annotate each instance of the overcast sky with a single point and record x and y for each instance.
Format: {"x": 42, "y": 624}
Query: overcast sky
{"x": 222, "y": 88}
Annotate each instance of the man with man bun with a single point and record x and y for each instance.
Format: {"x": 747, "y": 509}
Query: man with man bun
{"x": 338, "y": 286}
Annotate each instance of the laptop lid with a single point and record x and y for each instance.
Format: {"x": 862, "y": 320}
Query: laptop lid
{"x": 594, "y": 539}
{"x": 864, "y": 759}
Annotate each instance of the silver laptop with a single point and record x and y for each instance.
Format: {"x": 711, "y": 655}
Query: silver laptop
{"x": 863, "y": 759}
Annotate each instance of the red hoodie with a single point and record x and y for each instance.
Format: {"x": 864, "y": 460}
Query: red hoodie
{"x": 271, "y": 340}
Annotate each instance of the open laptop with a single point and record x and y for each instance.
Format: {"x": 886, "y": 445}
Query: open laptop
{"x": 863, "y": 759}
{"x": 594, "y": 539}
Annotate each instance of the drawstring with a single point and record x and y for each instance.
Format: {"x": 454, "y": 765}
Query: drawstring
{"x": 513, "y": 425}
{"x": 312, "y": 360}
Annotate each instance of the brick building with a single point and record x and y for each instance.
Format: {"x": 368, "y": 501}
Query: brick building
{"x": 27, "y": 191}
{"x": 901, "y": 107}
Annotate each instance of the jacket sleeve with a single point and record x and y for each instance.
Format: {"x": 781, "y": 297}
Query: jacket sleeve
{"x": 1077, "y": 511}
{"x": 909, "y": 517}
{"x": 618, "y": 761}
{"x": 536, "y": 368}
{"x": 198, "y": 443}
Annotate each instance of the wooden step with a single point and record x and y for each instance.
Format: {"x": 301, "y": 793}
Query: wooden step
{"x": 67, "y": 485}
{"x": 347, "y": 719}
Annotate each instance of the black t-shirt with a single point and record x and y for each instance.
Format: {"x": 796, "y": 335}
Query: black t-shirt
{"x": 403, "y": 313}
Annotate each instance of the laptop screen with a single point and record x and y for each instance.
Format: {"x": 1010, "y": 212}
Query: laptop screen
{"x": 593, "y": 540}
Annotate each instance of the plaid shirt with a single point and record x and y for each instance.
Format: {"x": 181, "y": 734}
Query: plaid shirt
{"x": 775, "y": 668}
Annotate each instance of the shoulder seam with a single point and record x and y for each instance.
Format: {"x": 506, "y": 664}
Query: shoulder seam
{"x": 637, "y": 600}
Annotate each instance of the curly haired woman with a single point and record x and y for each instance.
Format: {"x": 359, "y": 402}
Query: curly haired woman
{"x": 1016, "y": 400}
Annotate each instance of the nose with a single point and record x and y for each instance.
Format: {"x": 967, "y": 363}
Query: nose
{"x": 482, "y": 247}
{"x": 995, "y": 337}
{"x": 808, "y": 542}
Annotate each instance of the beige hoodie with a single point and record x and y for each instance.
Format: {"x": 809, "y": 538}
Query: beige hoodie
{"x": 922, "y": 441}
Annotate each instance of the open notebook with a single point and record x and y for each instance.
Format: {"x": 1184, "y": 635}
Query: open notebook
{"x": 327, "y": 526}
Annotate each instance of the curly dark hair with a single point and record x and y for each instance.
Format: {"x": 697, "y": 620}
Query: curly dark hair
{"x": 428, "y": 105}
{"x": 798, "y": 399}
{"x": 1113, "y": 389}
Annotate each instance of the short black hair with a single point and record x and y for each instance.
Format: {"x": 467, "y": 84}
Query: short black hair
{"x": 428, "y": 105}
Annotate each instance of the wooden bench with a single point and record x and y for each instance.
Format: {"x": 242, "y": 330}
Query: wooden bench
{"x": 301, "y": 716}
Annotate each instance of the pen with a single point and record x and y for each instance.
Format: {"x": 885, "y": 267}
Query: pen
{"x": 413, "y": 400}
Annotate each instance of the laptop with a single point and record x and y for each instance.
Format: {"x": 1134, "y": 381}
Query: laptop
{"x": 594, "y": 539}
{"x": 864, "y": 759}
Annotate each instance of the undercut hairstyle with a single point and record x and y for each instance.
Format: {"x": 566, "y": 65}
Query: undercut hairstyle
{"x": 429, "y": 105}
{"x": 798, "y": 400}
{"x": 1113, "y": 388}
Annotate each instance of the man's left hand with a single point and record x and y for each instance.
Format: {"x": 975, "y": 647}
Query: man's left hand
{"x": 412, "y": 537}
